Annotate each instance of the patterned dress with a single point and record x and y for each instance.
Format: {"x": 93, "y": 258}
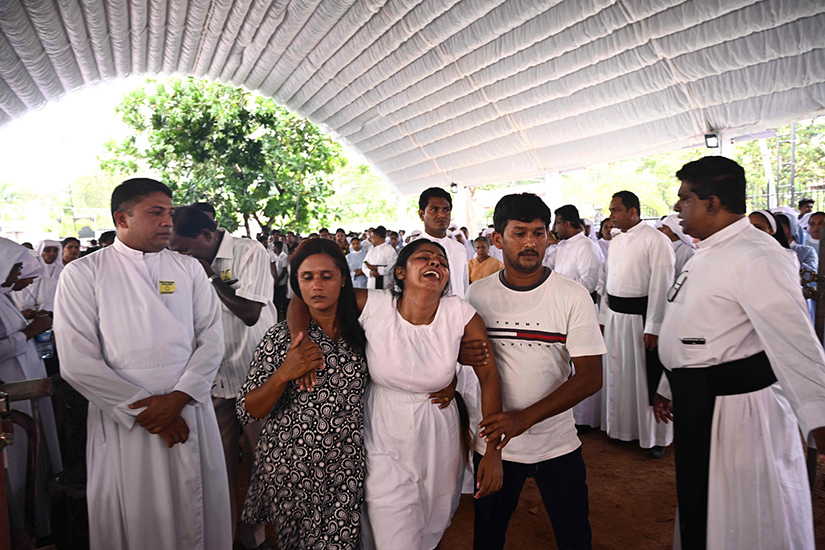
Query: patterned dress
{"x": 308, "y": 479}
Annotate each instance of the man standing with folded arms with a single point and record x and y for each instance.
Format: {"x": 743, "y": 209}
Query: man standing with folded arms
{"x": 139, "y": 333}
{"x": 746, "y": 372}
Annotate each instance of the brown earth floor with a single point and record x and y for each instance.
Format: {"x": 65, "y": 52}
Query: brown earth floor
{"x": 632, "y": 504}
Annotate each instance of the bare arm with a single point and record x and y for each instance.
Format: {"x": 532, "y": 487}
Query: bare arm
{"x": 490, "y": 469}
{"x": 297, "y": 320}
{"x": 303, "y": 356}
{"x": 247, "y": 311}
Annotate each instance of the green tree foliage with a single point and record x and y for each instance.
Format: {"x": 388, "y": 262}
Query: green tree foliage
{"x": 361, "y": 198}
{"x": 241, "y": 152}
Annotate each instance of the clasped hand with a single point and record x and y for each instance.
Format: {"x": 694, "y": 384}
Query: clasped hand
{"x": 162, "y": 416}
{"x": 302, "y": 362}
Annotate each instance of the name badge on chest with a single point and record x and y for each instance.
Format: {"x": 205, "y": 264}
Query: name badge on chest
{"x": 166, "y": 287}
{"x": 226, "y": 274}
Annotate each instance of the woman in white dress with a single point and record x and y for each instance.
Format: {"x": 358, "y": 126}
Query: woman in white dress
{"x": 415, "y": 457}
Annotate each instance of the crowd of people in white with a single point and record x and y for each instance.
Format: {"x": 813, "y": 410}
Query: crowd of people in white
{"x": 375, "y": 376}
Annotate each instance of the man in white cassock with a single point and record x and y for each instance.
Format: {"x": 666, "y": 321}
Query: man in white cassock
{"x": 746, "y": 372}
{"x": 139, "y": 334}
{"x": 579, "y": 258}
{"x": 240, "y": 273}
{"x": 638, "y": 272}
{"x": 378, "y": 260}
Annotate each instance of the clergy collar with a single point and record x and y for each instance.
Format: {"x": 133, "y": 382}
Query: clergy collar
{"x": 724, "y": 234}
{"x": 126, "y": 250}
{"x": 225, "y": 248}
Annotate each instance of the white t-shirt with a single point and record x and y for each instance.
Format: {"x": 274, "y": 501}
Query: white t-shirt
{"x": 534, "y": 332}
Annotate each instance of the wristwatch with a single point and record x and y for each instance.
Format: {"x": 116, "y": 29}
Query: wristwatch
{"x": 214, "y": 277}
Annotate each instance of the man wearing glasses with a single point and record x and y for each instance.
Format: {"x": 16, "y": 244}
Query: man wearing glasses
{"x": 638, "y": 271}
{"x": 745, "y": 368}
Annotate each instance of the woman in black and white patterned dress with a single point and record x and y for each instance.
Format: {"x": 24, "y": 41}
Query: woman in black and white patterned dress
{"x": 308, "y": 479}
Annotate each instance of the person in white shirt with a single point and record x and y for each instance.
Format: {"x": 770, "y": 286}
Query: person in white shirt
{"x": 537, "y": 321}
{"x": 355, "y": 259}
{"x": 38, "y": 294}
{"x": 579, "y": 258}
{"x": 639, "y": 270}
{"x": 605, "y": 236}
{"x": 281, "y": 277}
{"x": 815, "y": 224}
{"x": 435, "y": 206}
{"x": 378, "y": 260}
{"x": 20, "y": 361}
{"x": 47, "y": 252}
{"x": 746, "y": 372}
{"x": 139, "y": 335}
{"x": 683, "y": 247}
{"x": 239, "y": 270}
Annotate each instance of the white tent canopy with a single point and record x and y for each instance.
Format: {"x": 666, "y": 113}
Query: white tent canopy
{"x": 439, "y": 91}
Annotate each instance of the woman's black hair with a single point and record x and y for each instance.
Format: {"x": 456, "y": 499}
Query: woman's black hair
{"x": 348, "y": 311}
{"x": 401, "y": 261}
{"x": 779, "y": 235}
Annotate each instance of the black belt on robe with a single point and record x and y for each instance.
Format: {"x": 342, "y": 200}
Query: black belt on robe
{"x": 653, "y": 367}
{"x": 694, "y": 396}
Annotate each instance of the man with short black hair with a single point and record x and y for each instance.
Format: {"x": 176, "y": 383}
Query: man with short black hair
{"x": 435, "y": 206}
{"x": 378, "y": 260}
{"x": 746, "y": 371}
{"x": 239, "y": 271}
{"x": 638, "y": 272}
{"x": 206, "y": 208}
{"x": 805, "y": 206}
{"x": 537, "y": 321}
{"x": 139, "y": 334}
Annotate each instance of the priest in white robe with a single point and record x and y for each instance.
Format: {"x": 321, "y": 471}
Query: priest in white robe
{"x": 746, "y": 372}
{"x": 139, "y": 334}
{"x": 639, "y": 270}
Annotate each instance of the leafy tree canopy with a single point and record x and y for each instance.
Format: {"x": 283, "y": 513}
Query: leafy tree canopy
{"x": 241, "y": 152}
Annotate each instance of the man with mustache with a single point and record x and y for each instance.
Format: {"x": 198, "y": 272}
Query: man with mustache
{"x": 638, "y": 272}
{"x": 138, "y": 330}
{"x": 538, "y": 322}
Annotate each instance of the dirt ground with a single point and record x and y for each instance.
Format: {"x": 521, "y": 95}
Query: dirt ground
{"x": 632, "y": 504}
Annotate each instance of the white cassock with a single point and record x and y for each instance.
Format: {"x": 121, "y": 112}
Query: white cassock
{"x": 640, "y": 264}
{"x": 19, "y": 361}
{"x": 579, "y": 258}
{"x": 741, "y": 296}
{"x": 382, "y": 257}
{"x": 129, "y": 325}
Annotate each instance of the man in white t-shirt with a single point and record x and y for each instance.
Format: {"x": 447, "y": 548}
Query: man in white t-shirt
{"x": 537, "y": 321}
